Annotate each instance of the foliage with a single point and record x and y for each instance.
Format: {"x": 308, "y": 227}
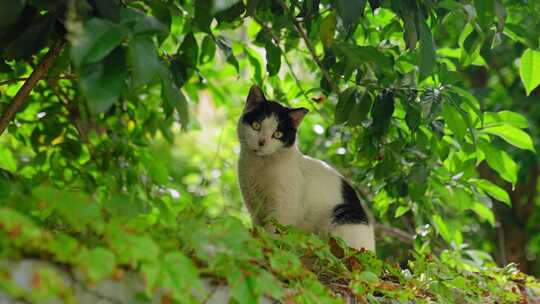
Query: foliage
{"x": 291, "y": 266}
{"x": 96, "y": 174}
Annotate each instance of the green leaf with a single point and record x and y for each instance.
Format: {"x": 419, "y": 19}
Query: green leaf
{"x": 517, "y": 120}
{"x": 273, "y": 58}
{"x": 208, "y": 49}
{"x": 360, "y": 110}
{"x": 182, "y": 275}
{"x": 327, "y": 29}
{"x": 130, "y": 248}
{"x": 225, "y": 45}
{"x": 180, "y": 74}
{"x": 101, "y": 83}
{"x": 7, "y": 160}
{"x": 255, "y": 62}
{"x": 454, "y": 121}
{"x": 231, "y": 13}
{"x": 98, "y": 263}
{"x": 512, "y": 135}
{"x": 345, "y": 104}
{"x": 428, "y": 56}
{"x": 157, "y": 170}
{"x": 529, "y": 69}
{"x": 350, "y": 10}
{"x": 174, "y": 98}
{"x": 469, "y": 99}
{"x": 486, "y": 12}
{"x": 408, "y": 12}
{"x": 493, "y": 190}
{"x": 470, "y": 52}
{"x": 162, "y": 12}
{"x": 144, "y": 61}
{"x": 484, "y": 213}
{"x": 401, "y": 210}
{"x": 33, "y": 37}
{"x": 203, "y": 15}
{"x": 243, "y": 288}
{"x": 460, "y": 198}
{"x": 97, "y": 40}
{"x": 381, "y": 113}
{"x": 65, "y": 248}
{"x": 368, "y": 277}
{"x": 108, "y": 9}
{"x": 123, "y": 205}
{"x": 74, "y": 208}
{"x": 441, "y": 227}
{"x": 268, "y": 284}
{"x": 10, "y": 11}
{"x": 138, "y": 22}
{"x": 413, "y": 117}
{"x": 188, "y": 52}
{"x": 499, "y": 161}
{"x": 252, "y": 6}
{"x": 358, "y": 56}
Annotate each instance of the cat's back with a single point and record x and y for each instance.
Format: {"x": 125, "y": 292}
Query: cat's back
{"x": 318, "y": 170}
{"x": 323, "y": 182}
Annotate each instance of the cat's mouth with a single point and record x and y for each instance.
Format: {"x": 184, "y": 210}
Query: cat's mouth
{"x": 259, "y": 152}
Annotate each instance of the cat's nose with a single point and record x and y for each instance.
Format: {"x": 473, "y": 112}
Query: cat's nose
{"x": 262, "y": 142}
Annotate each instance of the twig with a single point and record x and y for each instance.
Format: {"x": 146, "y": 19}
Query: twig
{"x": 310, "y": 47}
{"x": 29, "y": 84}
{"x": 14, "y": 80}
{"x": 73, "y": 112}
{"x": 287, "y": 62}
{"x": 394, "y": 232}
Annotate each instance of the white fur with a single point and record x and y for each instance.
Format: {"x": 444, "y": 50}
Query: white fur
{"x": 249, "y": 138}
{"x": 282, "y": 183}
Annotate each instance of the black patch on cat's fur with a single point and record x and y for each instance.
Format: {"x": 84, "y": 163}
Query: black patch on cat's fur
{"x": 351, "y": 210}
{"x": 268, "y": 108}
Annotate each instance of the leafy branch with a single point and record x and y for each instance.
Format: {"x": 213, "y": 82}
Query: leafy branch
{"x": 29, "y": 84}
{"x": 310, "y": 47}
{"x": 287, "y": 61}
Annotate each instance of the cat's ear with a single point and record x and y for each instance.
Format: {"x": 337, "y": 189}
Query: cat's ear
{"x": 255, "y": 97}
{"x": 297, "y": 115}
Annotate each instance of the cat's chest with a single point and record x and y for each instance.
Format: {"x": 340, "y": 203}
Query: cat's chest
{"x": 269, "y": 179}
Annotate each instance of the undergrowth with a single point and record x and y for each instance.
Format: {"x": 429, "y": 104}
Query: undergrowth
{"x": 177, "y": 256}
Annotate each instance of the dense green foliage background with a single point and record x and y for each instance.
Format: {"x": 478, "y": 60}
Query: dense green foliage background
{"x": 123, "y": 156}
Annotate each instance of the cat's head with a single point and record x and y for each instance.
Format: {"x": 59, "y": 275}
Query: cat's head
{"x": 266, "y": 127}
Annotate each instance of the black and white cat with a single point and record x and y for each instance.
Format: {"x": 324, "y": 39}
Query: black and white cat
{"x": 278, "y": 181}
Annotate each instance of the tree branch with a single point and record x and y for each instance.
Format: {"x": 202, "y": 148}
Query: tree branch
{"x": 14, "y": 80}
{"x": 394, "y": 232}
{"x": 310, "y": 47}
{"x": 29, "y": 84}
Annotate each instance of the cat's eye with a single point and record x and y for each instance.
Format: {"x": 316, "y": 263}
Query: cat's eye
{"x": 278, "y": 134}
{"x": 256, "y": 125}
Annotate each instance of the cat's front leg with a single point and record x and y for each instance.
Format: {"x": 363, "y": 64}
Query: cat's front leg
{"x": 286, "y": 214}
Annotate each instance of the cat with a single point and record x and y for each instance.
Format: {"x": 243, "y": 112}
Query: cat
{"x": 277, "y": 181}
